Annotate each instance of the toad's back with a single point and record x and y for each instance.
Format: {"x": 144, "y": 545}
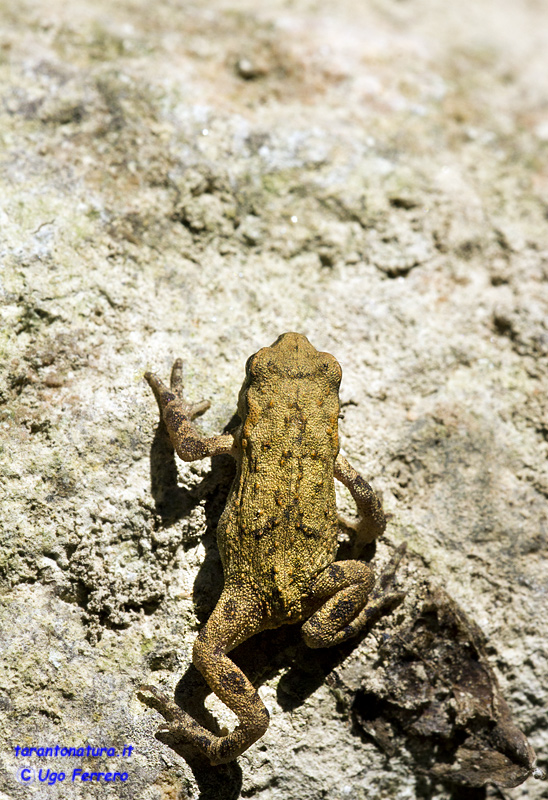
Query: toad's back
{"x": 279, "y": 528}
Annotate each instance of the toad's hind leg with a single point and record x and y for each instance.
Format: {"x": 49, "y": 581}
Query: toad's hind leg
{"x": 232, "y": 622}
{"x": 350, "y": 598}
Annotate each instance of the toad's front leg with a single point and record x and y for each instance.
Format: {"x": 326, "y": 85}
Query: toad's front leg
{"x": 235, "y": 618}
{"x": 177, "y": 416}
{"x": 371, "y": 522}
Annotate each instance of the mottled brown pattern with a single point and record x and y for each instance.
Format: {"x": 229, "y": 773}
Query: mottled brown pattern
{"x": 278, "y": 533}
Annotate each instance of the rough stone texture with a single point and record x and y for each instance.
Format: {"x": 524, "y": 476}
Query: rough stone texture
{"x": 194, "y": 180}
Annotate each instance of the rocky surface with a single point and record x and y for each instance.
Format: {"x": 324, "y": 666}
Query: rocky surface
{"x": 190, "y": 180}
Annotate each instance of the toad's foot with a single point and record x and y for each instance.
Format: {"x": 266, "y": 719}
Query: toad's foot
{"x": 180, "y": 729}
{"x": 384, "y": 597}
